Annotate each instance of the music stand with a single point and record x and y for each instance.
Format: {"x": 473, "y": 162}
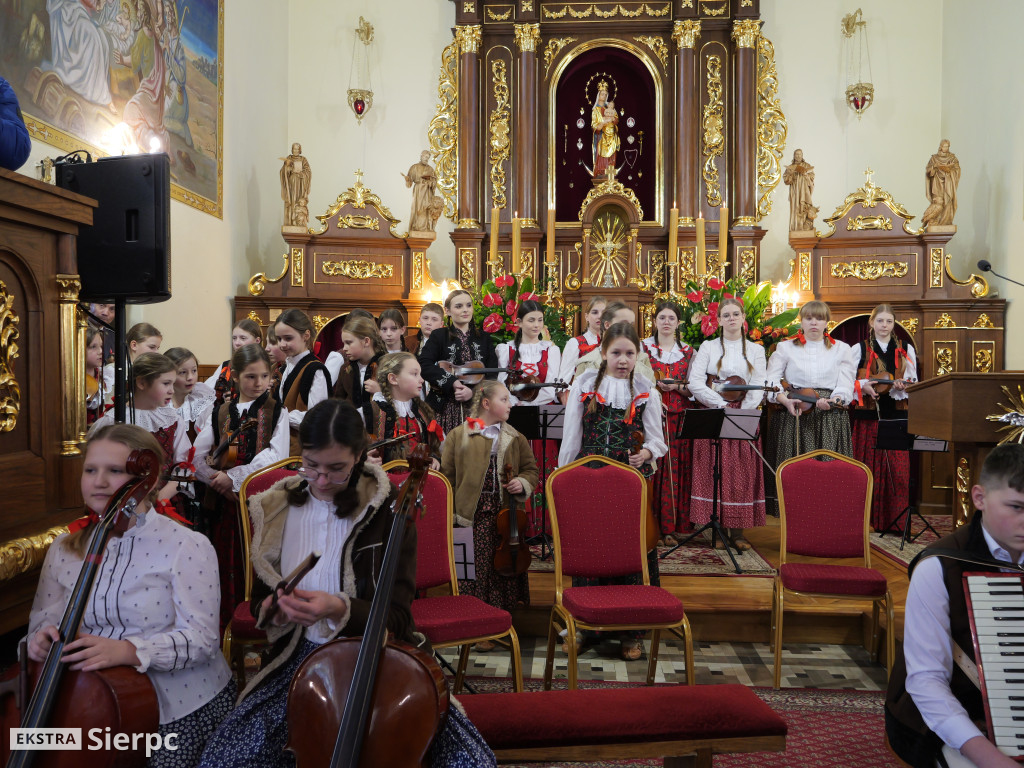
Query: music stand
{"x": 540, "y": 422}
{"x": 893, "y": 436}
{"x": 716, "y": 424}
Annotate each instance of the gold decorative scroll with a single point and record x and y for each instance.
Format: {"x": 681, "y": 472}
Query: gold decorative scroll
{"x": 608, "y": 244}
{"x": 358, "y": 196}
{"x": 526, "y": 262}
{"x": 910, "y": 324}
{"x": 656, "y": 44}
{"x": 443, "y": 132}
{"x": 499, "y": 132}
{"x": 962, "y": 512}
{"x": 553, "y": 48}
{"x": 983, "y": 360}
{"x": 467, "y": 269}
{"x": 745, "y": 32}
{"x": 357, "y": 269}
{"x": 657, "y": 271}
{"x": 527, "y": 37}
{"x": 492, "y": 16}
{"x": 831, "y": 325}
{"x": 804, "y": 270}
{"x": 647, "y": 319}
{"x": 468, "y": 38}
{"x": 945, "y": 361}
{"x": 772, "y": 129}
{"x": 871, "y": 269}
{"x": 935, "y": 271}
{"x": 604, "y": 11}
{"x": 319, "y": 321}
{"x": 687, "y": 264}
{"x": 358, "y": 222}
{"x": 297, "y": 267}
{"x": 713, "y": 123}
{"x": 869, "y": 196}
{"x": 707, "y": 10}
{"x": 572, "y": 278}
{"x": 418, "y": 261}
{"x": 979, "y": 285}
{"x": 1012, "y": 417}
{"x": 26, "y": 554}
{"x": 10, "y": 391}
{"x": 611, "y": 188}
{"x": 685, "y": 33}
{"x": 945, "y": 321}
{"x": 258, "y": 282}
{"x": 858, "y": 223}
{"x": 254, "y": 316}
{"x": 748, "y": 264}
{"x": 983, "y": 321}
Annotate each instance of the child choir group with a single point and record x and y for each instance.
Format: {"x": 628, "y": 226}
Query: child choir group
{"x": 167, "y": 589}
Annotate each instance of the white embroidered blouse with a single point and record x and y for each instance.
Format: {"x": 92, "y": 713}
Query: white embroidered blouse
{"x": 706, "y": 363}
{"x": 814, "y": 365}
{"x": 529, "y": 355}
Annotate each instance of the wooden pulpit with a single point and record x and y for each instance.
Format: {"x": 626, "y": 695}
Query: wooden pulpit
{"x": 953, "y": 407}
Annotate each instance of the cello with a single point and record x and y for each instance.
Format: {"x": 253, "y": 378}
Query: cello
{"x": 512, "y": 557}
{"x": 118, "y": 698}
{"x": 363, "y": 702}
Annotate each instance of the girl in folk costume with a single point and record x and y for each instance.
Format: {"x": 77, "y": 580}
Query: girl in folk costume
{"x": 585, "y": 343}
{"x": 277, "y": 360}
{"x": 246, "y": 331}
{"x": 192, "y": 399}
{"x": 152, "y": 390}
{"x": 142, "y": 337}
{"x": 474, "y": 459}
{"x": 99, "y": 378}
{"x": 741, "y": 493}
{"x": 336, "y": 358}
{"x": 258, "y": 447}
{"x": 153, "y": 606}
{"x": 670, "y": 359}
{"x": 883, "y": 353}
{"x": 304, "y": 380}
{"x": 458, "y": 342}
{"x": 616, "y": 312}
{"x": 392, "y": 329}
{"x": 815, "y": 360}
{"x": 340, "y": 506}
{"x": 398, "y": 410}
{"x": 534, "y": 356}
{"x": 357, "y": 381}
{"x": 605, "y": 408}
{"x": 431, "y": 318}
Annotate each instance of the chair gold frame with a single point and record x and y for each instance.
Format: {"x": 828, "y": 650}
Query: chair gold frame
{"x": 779, "y": 592}
{"x": 559, "y": 615}
{"x": 467, "y": 643}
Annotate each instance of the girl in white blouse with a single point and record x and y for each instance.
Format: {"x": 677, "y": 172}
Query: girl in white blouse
{"x": 153, "y": 606}
{"x": 815, "y": 360}
{"x": 741, "y": 492}
{"x": 586, "y": 342}
{"x": 530, "y": 353}
{"x": 192, "y": 399}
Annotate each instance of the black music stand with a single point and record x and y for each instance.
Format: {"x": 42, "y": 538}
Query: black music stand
{"x": 893, "y": 436}
{"x": 540, "y": 422}
{"x": 711, "y": 424}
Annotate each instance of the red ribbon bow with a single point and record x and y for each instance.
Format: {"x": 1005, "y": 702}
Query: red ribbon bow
{"x": 857, "y": 391}
{"x": 91, "y": 518}
{"x": 477, "y": 424}
{"x": 632, "y": 406}
{"x": 596, "y": 395}
{"x": 901, "y": 352}
{"x": 800, "y": 338}
{"x": 166, "y": 507}
{"x": 434, "y": 428}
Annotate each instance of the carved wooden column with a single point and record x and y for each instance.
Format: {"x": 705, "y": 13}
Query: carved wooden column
{"x": 745, "y": 33}
{"x": 685, "y": 33}
{"x": 525, "y": 183}
{"x": 468, "y": 38}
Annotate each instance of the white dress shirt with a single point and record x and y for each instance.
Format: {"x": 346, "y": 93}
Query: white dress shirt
{"x": 617, "y": 394}
{"x": 571, "y": 356}
{"x": 529, "y": 355}
{"x": 813, "y": 365}
{"x": 158, "y": 588}
{"x": 153, "y": 421}
{"x": 706, "y": 363}
{"x": 928, "y": 649}
{"x": 317, "y": 392}
{"x": 278, "y": 449}
{"x": 334, "y": 363}
{"x": 911, "y": 376}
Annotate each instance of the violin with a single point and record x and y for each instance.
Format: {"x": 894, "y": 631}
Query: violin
{"x": 806, "y": 396}
{"x": 225, "y": 455}
{"x": 472, "y": 372}
{"x": 512, "y": 557}
{"x": 363, "y": 701}
{"x": 651, "y": 532}
{"x": 118, "y": 698}
{"x": 527, "y": 387}
{"x": 734, "y": 388}
{"x": 663, "y": 378}
{"x": 92, "y": 387}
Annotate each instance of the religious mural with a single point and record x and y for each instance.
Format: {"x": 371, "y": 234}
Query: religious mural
{"x": 110, "y": 76}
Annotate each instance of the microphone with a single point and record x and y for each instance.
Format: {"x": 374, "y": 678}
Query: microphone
{"x": 986, "y": 266}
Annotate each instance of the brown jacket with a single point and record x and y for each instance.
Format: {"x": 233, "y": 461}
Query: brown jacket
{"x": 465, "y": 455}
{"x": 362, "y": 558}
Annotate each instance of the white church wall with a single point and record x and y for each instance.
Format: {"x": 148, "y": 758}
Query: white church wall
{"x": 895, "y": 136}
{"x": 983, "y": 115}
{"x": 405, "y": 60}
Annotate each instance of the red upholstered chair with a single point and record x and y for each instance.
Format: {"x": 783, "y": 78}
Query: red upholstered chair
{"x": 597, "y": 521}
{"x": 450, "y": 620}
{"x": 825, "y": 508}
{"x": 241, "y": 634}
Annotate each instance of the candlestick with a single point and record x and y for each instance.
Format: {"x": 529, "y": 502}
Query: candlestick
{"x": 516, "y": 227}
{"x": 673, "y": 235}
{"x": 492, "y": 251}
{"x": 702, "y": 261}
{"x": 723, "y": 235}
{"x": 551, "y": 237}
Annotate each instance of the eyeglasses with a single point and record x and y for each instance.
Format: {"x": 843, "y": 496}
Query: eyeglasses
{"x": 336, "y": 476}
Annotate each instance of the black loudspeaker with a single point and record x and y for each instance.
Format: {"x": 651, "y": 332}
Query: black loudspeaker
{"x": 126, "y": 253}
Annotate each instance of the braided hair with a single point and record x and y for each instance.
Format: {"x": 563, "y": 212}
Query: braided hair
{"x": 485, "y": 390}
{"x": 525, "y": 308}
{"x": 733, "y": 301}
{"x": 616, "y": 331}
{"x": 366, "y": 328}
{"x": 393, "y": 364}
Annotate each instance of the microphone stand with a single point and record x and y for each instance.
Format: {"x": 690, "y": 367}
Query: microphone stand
{"x": 985, "y": 266}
